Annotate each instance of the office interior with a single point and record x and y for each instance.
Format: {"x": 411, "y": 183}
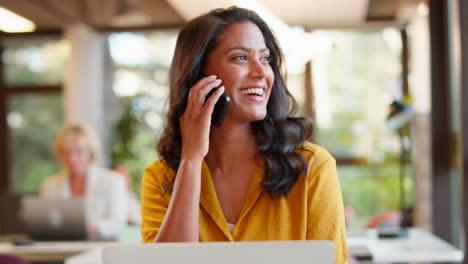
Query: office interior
{"x": 105, "y": 63}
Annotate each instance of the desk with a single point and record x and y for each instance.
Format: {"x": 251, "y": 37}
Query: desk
{"x": 91, "y": 257}
{"x": 59, "y": 251}
{"x": 50, "y": 251}
{"x": 419, "y": 246}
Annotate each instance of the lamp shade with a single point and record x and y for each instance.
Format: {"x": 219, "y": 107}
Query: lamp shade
{"x": 400, "y": 115}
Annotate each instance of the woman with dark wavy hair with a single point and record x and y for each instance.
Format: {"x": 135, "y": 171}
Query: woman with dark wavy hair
{"x": 255, "y": 177}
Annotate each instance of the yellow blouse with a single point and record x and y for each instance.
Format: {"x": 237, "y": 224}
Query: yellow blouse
{"x": 312, "y": 210}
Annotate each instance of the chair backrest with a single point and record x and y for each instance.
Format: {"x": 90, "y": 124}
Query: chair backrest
{"x": 10, "y": 221}
{"x": 7, "y": 259}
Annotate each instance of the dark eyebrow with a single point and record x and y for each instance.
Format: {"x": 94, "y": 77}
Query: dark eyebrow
{"x": 244, "y": 49}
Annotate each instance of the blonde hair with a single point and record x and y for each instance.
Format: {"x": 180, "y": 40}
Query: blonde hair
{"x": 83, "y": 133}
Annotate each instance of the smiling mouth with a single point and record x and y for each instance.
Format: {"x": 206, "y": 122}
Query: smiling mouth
{"x": 253, "y": 91}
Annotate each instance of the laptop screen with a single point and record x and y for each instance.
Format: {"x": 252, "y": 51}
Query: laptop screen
{"x": 49, "y": 219}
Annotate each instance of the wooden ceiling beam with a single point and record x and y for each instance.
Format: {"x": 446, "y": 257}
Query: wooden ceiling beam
{"x": 99, "y": 13}
{"x": 383, "y": 10}
{"x": 40, "y": 15}
{"x": 161, "y": 12}
{"x": 72, "y": 11}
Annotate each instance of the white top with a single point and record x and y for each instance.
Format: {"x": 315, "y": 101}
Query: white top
{"x": 231, "y": 227}
{"x": 134, "y": 207}
{"x": 106, "y": 198}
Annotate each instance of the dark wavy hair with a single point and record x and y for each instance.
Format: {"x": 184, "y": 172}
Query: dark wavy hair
{"x": 278, "y": 135}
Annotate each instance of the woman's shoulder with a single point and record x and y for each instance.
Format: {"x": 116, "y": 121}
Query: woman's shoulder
{"x": 54, "y": 179}
{"x": 158, "y": 166}
{"x": 106, "y": 176}
{"x": 321, "y": 163}
{"x": 105, "y": 172}
{"x": 159, "y": 171}
{"x": 53, "y": 183}
{"x": 314, "y": 153}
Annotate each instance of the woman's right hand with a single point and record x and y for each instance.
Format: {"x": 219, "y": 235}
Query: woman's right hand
{"x": 195, "y": 122}
{"x": 181, "y": 220}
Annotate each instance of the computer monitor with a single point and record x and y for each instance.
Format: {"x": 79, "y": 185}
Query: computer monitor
{"x": 271, "y": 252}
{"x": 50, "y": 219}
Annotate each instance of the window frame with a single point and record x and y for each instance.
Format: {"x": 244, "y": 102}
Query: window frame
{"x": 6, "y": 92}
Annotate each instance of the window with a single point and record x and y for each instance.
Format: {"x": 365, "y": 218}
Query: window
{"x": 33, "y": 121}
{"x": 39, "y": 63}
{"x": 141, "y": 71}
{"x": 354, "y": 85}
{"x": 33, "y": 72}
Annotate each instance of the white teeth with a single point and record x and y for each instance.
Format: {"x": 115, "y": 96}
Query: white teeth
{"x": 256, "y": 91}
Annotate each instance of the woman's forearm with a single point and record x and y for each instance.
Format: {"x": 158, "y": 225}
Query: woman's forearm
{"x": 181, "y": 222}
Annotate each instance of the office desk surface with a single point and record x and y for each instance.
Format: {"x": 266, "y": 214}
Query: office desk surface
{"x": 59, "y": 251}
{"x": 90, "y": 257}
{"x": 419, "y": 246}
{"x": 50, "y": 251}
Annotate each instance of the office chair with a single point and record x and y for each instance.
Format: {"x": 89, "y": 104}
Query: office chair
{"x": 7, "y": 259}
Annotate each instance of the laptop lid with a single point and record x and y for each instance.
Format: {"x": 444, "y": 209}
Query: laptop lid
{"x": 271, "y": 252}
{"x": 54, "y": 219}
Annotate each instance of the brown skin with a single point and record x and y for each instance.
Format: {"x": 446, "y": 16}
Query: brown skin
{"x": 239, "y": 61}
{"x": 233, "y": 147}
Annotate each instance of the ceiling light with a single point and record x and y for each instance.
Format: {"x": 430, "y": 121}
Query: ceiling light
{"x": 13, "y": 23}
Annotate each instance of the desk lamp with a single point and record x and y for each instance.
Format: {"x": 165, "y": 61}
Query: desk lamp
{"x": 398, "y": 119}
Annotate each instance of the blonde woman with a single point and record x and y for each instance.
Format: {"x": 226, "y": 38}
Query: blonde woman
{"x": 103, "y": 190}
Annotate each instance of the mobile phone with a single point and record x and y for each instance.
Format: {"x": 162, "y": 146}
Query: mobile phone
{"x": 220, "y": 108}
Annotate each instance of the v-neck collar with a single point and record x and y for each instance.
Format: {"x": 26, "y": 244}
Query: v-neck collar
{"x": 66, "y": 186}
{"x": 209, "y": 199}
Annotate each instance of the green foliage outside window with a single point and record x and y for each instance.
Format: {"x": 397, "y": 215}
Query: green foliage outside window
{"x": 364, "y": 76}
{"x": 33, "y": 121}
{"x": 33, "y": 118}
{"x": 36, "y": 63}
{"x": 143, "y": 103}
{"x": 134, "y": 140}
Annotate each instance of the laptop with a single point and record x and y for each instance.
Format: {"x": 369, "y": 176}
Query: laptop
{"x": 271, "y": 252}
{"x": 49, "y": 219}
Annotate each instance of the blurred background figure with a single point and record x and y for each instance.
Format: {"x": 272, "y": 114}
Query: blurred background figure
{"x": 134, "y": 216}
{"x": 104, "y": 191}
{"x": 349, "y": 215}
